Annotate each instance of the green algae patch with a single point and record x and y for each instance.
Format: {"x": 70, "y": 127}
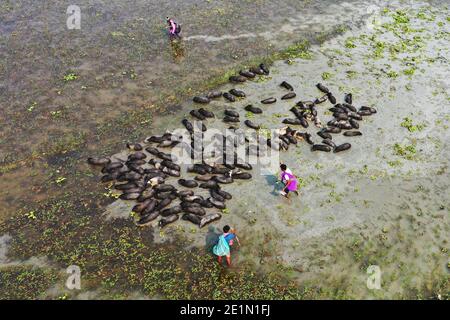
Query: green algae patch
{"x": 408, "y": 124}
{"x": 25, "y": 282}
{"x": 70, "y": 77}
{"x": 407, "y": 152}
{"x": 116, "y": 257}
{"x": 298, "y": 50}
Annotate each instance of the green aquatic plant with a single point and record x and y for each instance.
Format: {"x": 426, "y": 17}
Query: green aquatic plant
{"x": 70, "y": 77}
{"x": 408, "y": 124}
{"x": 249, "y": 115}
{"x": 405, "y": 151}
{"x": 337, "y": 197}
{"x": 111, "y": 194}
{"x": 31, "y": 215}
{"x": 300, "y": 50}
{"x": 265, "y": 132}
{"x": 341, "y": 28}
{"x": 409, "y": 72}
{"x": 116, "y": 34}
{"x": 55, "y": 114}
{"x": 351, "y": 74}
{"x": 395, "y": 163}
{"x": 60, "y": 180}
{"x": 32, "y": 106}
{"x": 378, "y": 51}
{"x": 349, "y": 43}
{"x": 423, "y": 16}
{"x": 326, "y": 75}
{"x": 400, "y": 17}
{"x": 392, "y": 74}
{"x": 301, "y": 183}
{"x": 364, "y": 170}
{"x": 25, "y": 282}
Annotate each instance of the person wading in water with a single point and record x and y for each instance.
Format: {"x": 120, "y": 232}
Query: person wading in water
{"x": 174, "y": 28}
{"x": 289, "y": 180}
{"x": 222, "y": 248}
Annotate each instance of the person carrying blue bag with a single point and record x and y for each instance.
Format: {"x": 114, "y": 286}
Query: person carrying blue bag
{"x": 222, "y": 248}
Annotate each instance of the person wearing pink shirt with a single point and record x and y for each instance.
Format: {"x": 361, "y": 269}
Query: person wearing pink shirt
{"x": 289, "y": 180}
{"x": 174, "y": 28}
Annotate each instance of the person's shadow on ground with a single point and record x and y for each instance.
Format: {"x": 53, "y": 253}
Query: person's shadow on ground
{"x": 212, "y": 237}
{"x": 272, "y": 181}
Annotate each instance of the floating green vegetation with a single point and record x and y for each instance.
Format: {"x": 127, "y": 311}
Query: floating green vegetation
{"x": 70, "y": 77}
{"x": 261, "y": 79}
{"x": 290, "y": 61}
{"x": 132, "y": 74}
{"x": 405, "y": 151}
{"x": 60, "y": 180}
{"x": 341, "y": 28}
{"x": 395, "y": 163}
{"x": 25, "y": 282}
{"x": 337, "y": 197}
{"x": 31, "y": 215}
{"x": 116, "y": 34}
{"x": 400, "y": 17}
{"x": 326, "y": 75}
{"x": 9, "y": 167}
{"x": 378, "y": 51}
{"x": 265, "y": 132}
{"x": 218, "y": 80}
{"x": 301, "y": 183}
{"x": 350, "y": 43}
{"x": 364, "y": 169}
{"x": 392, "y": 74}
{"x": 351, "y": 74}
{"x": 56, "y": 114}
{"x": 408, "y": 124}
{"x": 298, "y": 50}
{"x": 32, "y": 106}
{"x": 424, "y": 16}
{"x": 410, "y": 71}
{"x": 117, "y": 258}
{"x": 249, "y": 115}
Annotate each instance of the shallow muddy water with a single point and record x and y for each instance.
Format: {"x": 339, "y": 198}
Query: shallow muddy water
{"x": 389, "y": 189}
{"x": 122, "y": 62}
{"x": 371, "y": 188}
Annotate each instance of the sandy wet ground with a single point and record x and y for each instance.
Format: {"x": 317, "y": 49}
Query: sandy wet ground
{"x": 383, "y": 202}
{"x": 379, "y": 190}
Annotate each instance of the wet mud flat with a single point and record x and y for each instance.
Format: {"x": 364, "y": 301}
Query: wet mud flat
{"x": 383, "y": 202}
{"x": 381, "y": 186}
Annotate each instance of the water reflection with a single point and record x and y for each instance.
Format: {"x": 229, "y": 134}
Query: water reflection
{"x": 178, "y": 49}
